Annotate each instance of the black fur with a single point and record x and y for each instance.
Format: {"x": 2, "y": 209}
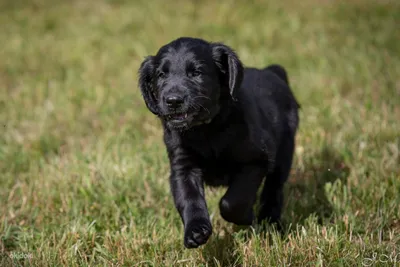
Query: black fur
{"x": 224, "y": 125}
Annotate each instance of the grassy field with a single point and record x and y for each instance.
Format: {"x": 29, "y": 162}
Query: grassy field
{"x": 83, "y": 170}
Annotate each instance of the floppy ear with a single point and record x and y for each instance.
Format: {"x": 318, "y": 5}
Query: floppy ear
{"x": 229, "y": 65}
{"x": 146, "y": 74}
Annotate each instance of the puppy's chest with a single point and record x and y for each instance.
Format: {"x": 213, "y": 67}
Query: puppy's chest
{"x": 220, "y": 155}
{"x": 209, "y": 149}
{"x": 216, "y": 160}
{"x": 222, "y": 150}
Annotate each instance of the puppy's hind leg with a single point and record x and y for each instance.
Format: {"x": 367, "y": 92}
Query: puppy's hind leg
{"x": 236, "y": 206}
{"x": 271, "y": 200}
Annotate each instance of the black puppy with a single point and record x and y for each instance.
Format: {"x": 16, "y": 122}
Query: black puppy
{"x": 224, "y": 125}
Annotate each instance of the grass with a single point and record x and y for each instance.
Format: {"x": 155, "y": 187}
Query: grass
{"x": 84, "y": 173}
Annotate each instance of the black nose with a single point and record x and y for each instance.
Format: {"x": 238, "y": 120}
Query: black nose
{"x": 174, "y": 101}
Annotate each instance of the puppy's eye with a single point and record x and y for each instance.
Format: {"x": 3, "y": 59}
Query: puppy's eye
{"x": 194, "y": 73}
{"x": 161, "y": 74}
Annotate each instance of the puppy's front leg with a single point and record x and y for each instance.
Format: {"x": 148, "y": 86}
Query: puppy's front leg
{"x": 188, "y": 192}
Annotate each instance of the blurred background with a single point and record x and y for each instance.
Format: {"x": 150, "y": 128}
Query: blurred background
{"x": 83, "y": 170}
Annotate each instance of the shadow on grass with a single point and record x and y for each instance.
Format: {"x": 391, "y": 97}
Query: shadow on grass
{"x": 220, "y": 251}
{"x": 305, "y": 190}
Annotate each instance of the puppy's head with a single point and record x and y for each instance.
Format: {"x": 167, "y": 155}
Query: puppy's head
{"x": 187, "y": 80}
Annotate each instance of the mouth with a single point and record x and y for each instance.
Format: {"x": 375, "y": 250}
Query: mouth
{"x": 177, "y": 116}
{"x": 187, "y": 119}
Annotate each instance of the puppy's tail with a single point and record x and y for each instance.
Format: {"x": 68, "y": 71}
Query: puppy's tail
{"x": 280, "y": 71}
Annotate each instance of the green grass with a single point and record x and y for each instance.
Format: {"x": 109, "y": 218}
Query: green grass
{"x": 83, "y": 170}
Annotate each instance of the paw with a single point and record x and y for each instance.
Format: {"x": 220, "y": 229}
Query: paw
{"x": 239, "y": 214}
{"x": 197, "y": 233}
